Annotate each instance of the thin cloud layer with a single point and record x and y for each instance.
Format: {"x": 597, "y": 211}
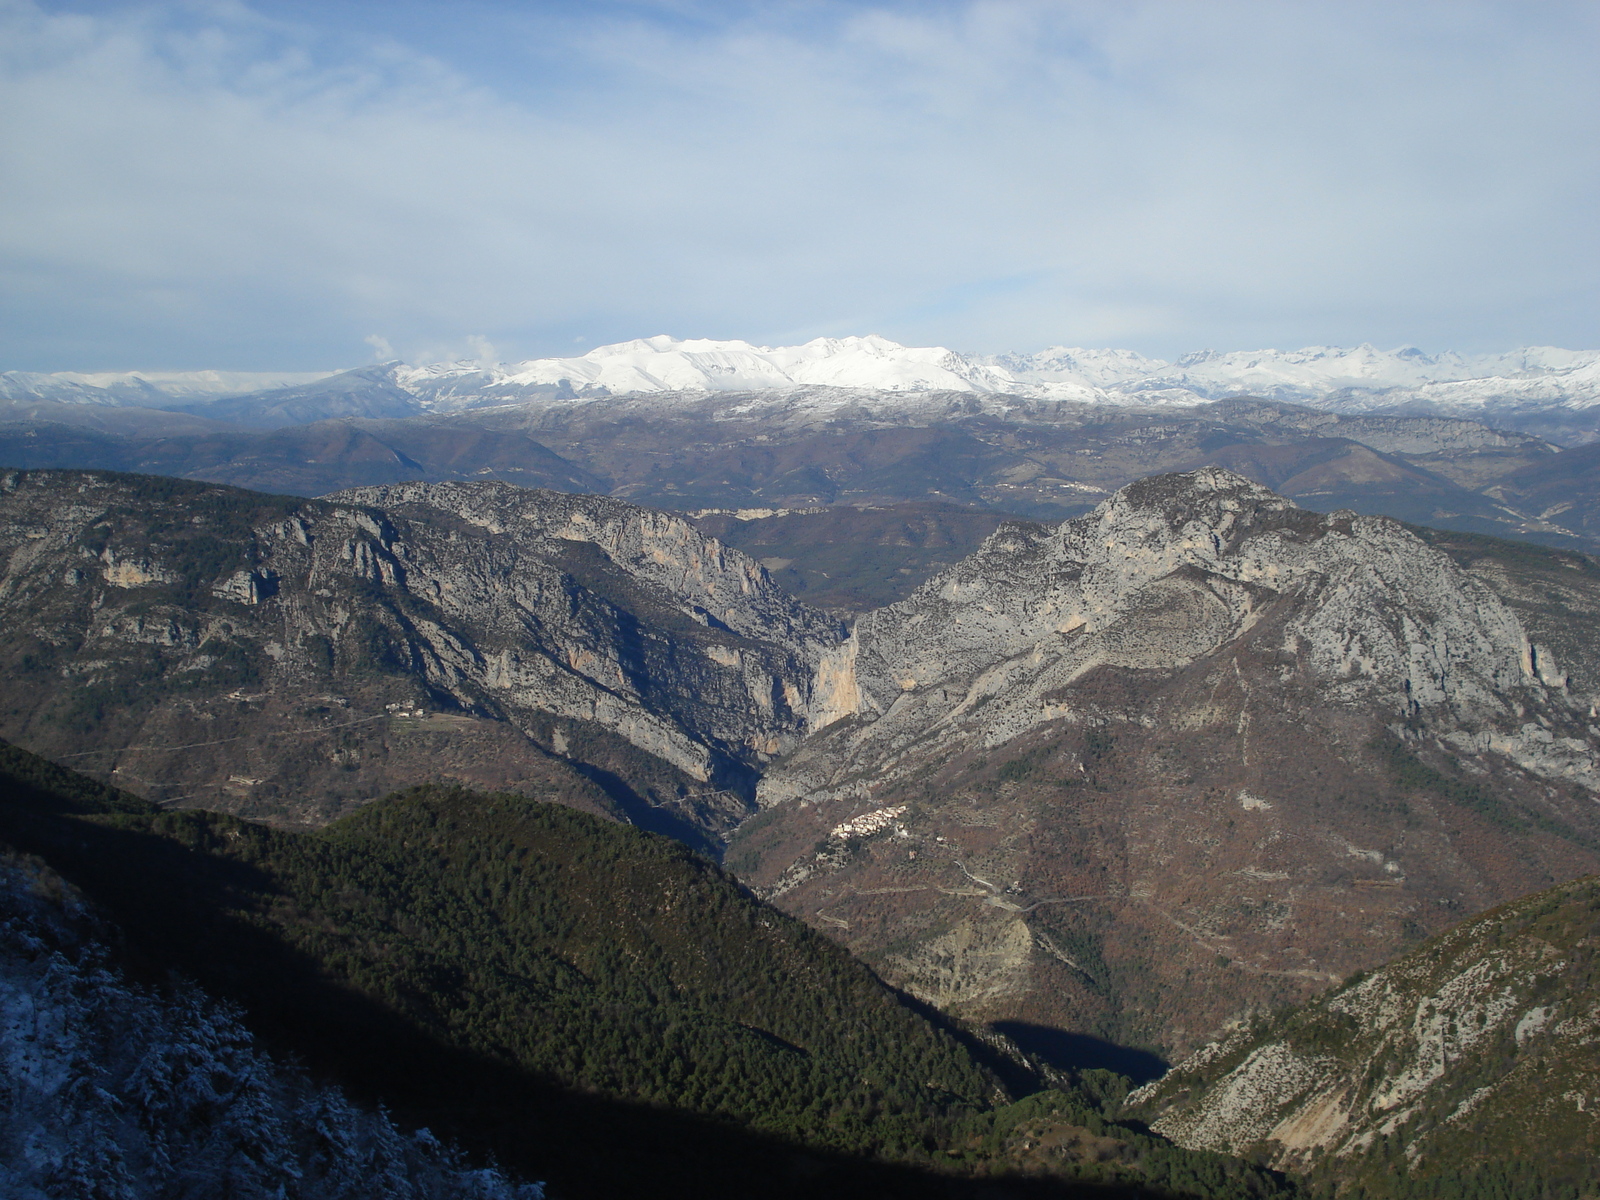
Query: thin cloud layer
{"x": 258, "y": 187}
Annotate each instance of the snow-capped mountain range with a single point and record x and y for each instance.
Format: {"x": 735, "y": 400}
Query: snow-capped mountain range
{"x": 1356, "y": 379}
{"x": 146, "y": 388}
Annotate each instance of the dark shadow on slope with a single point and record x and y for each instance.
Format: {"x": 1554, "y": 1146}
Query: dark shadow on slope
{"x": 585, "y": 1146}
{"x": 1019, "y": 1077}
{"x": 1068, "y": 1051}
{"x": 183, "y": 904}
{"x": 641, "y": 814}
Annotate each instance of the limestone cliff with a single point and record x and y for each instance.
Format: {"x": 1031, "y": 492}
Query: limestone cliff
{"x": 1168, "y": 571}
{"x": 213, "y": 640}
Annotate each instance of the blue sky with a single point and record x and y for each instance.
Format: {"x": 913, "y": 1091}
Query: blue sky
{"x": 301, "y": 185}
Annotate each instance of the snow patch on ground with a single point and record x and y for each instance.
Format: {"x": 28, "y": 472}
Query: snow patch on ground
{"x": 115, "y": 1091}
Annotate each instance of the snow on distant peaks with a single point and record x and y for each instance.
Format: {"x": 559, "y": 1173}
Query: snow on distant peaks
{"x": 1335, "y": 377}
{"x": 1325, "y": 376}
{"x": 1073, "y": 364}
{"x": 667, "y": 364}
{"x": 145, "y": 387}
{"x": 1346, "y": 379}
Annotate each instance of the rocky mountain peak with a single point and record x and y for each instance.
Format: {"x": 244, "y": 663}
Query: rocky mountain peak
{"x": 1173, "y": 568}
{"x": 1180, "y": 738}
{"x": 1204, "y": 494}
{"x": 1212, "y": 520}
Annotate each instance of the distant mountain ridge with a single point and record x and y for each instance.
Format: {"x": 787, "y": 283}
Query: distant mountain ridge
{"x": 1354, "y": 379}
{"x": 813, "y": 446}
{"x": 145, "y": 387}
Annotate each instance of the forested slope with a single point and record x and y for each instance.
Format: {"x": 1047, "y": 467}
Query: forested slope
{"x": 595, "y": 1005}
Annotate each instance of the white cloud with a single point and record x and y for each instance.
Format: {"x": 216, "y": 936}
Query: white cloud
{"x": 207, "y": 185}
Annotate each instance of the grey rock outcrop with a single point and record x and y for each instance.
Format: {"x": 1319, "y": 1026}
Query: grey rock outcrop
{"x": 1196, "y": 753}
{"x": 486, "y": 600}
{"x": 1168, "y": 571}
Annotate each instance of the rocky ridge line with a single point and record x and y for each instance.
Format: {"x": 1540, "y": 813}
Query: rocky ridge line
{"x": 1165, "y": 572}
{"x": 494, "y": 601}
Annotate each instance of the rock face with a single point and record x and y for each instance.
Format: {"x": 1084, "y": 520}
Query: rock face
{"x": 1196, "y": 751}
{"x": 1135, "y": 775}
{"x": 247, "y": 650}
{"x": 745, "y": 700}
{"x": 1166, "y": 572}
{"x": 1478, "y": 1043}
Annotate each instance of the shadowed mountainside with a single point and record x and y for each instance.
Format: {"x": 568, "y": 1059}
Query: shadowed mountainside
{"x": 597, "y": 1006}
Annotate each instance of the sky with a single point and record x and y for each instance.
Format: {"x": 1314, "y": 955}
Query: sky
{"x": 315, "y": 184}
